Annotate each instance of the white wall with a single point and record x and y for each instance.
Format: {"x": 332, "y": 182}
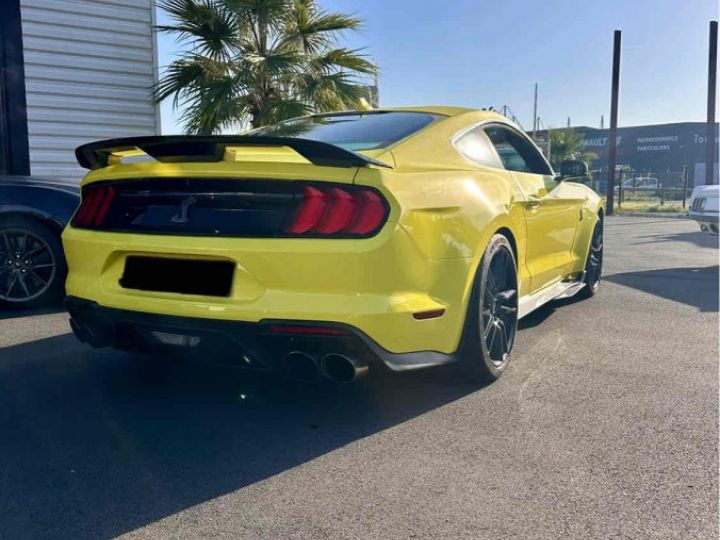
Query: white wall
{"x": 89, "y": 66}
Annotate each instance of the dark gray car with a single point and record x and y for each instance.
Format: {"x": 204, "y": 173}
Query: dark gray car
{"x": 33, "y": 213}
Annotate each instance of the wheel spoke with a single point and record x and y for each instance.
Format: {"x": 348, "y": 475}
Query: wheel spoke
{"x": 503, "y": 338}
{"x": 11, "y": 284}
{"x": 35, "y": 274}
{"x": 493, "y": 328}
{"x": 38, "y": 266}
{"x": 488, "y": 327}
{"x": 21, "y": 279}
{"x": 7, "y": 244}
{"x": 35, "y": 251}
{"x": 490, "y": 284}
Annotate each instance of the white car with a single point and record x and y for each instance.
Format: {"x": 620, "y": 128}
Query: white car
{"x": 704, "y": 207}
{"x": 639, "y": 183}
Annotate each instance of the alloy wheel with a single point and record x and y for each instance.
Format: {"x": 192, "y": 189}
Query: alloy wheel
{"x": 595, "y": 258}
{"x": 499, "y": 309}
{"x": 27, "y": 265}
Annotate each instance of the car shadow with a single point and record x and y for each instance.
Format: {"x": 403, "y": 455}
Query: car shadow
{"x": 99, "y": 443}
{"x": 697, "y": 287}
{"x": 16, "y": 313}
{"x": 698, "y": 238}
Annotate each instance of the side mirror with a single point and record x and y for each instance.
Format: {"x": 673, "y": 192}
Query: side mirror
{"x": 573, "y": 168}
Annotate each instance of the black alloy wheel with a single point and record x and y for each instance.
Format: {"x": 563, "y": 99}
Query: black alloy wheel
{"x": 594, "y": 263}
{"x": 493, "y": 317}
{"x": 32, "y": 266}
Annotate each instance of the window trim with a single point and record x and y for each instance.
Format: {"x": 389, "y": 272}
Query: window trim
{"x": 489, "y": 123}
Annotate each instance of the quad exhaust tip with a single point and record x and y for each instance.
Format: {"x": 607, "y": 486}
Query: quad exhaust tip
{"x": 300, "y": 366}
{"x": 340, "y": 368}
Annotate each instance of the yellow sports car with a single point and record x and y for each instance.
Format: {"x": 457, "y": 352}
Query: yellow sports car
{"x": 408, "y": 237}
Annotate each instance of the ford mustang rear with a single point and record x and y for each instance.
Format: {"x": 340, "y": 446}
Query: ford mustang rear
{"x": 334, "y": 241}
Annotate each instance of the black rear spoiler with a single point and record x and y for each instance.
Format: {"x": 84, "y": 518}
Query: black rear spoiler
{"x": 183, "y": 148}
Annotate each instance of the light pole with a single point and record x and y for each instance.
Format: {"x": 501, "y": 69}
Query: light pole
{"x": 612, "y": 139}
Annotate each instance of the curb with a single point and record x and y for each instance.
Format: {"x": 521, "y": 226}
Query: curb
{"x": 664, "y": 215}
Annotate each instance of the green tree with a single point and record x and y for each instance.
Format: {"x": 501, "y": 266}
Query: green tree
{"x": 567, "y": 144}
{"x": 256, "y": 62}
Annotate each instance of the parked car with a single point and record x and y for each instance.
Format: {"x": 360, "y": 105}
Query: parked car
{"x": 33, "y": 213}
{"x": 404, "y": 237}
{"x": 704, "y": 207}
{"x": 640, "y": 183}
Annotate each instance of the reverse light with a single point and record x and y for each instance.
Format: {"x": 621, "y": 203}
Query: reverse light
{"x": 338, "y": 211}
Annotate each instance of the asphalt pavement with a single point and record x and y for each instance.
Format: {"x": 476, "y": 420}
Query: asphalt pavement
{"x": 604, "y": 426}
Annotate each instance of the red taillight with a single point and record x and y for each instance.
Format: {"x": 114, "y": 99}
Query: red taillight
{"x": 95, "y": 206}
{"x": 310, "y": 212}
{"x": 371, "y": 214}
{"x": 335, "y": 210}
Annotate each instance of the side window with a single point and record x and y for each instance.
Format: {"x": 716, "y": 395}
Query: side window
{"x": 475, "y": 146}
{"x": 516, "y": 152}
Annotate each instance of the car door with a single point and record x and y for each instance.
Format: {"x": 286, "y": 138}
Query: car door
{"x": 551, "y": 212}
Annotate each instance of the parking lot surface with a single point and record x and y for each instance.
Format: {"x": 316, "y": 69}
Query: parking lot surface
{"x": 604, "y": 426}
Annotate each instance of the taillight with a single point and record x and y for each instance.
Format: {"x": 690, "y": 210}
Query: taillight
{"x": 338, "y": 211}
{"x": 94, "y": 207}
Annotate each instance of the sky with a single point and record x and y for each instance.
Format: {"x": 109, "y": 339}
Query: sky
{"x": 481, "y": 53}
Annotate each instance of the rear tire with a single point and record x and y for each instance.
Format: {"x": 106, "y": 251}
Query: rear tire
{"x": 32, "y": 263}
{"x": 491, "y": 321}
{"x": 594, "y": 262}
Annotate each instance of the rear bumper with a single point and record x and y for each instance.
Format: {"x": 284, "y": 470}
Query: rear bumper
{"x": 708, "y": 221}
{"x": 707, "y": 217}
{"x": 375, "y": 285}
{"x": 246, "y": 344}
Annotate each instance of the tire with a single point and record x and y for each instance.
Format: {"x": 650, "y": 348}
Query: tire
{"x": 32, "y": 263}
{"x": 594, "y": 262}
{"x": 491, "y": 321}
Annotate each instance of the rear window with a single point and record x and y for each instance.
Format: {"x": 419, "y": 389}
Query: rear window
{"x": 361, "y": 131}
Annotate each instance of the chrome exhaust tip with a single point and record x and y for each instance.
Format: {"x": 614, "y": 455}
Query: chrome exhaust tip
{"x": 340, "y": 368}
{"x": 301, "y": 366}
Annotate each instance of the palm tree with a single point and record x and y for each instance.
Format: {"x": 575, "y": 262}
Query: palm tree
{"x": 256, "y": 62}
{"x": 567, "y": 144}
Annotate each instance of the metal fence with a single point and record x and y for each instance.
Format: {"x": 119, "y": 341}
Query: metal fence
{"x": 650, "y": 187}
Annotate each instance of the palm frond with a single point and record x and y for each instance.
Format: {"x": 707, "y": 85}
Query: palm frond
{"x": 207, "y": 26}
{"x": 334, "y": 59}
{"x": 258, "y": 61}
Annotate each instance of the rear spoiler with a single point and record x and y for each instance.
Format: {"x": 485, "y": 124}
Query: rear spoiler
{"x": 184, "y": 148}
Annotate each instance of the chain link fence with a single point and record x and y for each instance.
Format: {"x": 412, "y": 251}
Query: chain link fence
{"x": 655, "y": 190}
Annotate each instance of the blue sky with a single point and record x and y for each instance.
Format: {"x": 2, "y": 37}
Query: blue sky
{"x": 480, "y": 53}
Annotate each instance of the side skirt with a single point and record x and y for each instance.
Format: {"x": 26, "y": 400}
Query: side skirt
{"x": 558, "y": 290}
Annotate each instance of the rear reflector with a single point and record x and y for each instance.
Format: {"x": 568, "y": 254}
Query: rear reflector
{"x": 308, "y": 330}
{"x": 431, "y": 314}
{"x": 338, "y": 211}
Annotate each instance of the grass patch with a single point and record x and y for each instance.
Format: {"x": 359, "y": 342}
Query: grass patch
{"x": 670, "y": 207}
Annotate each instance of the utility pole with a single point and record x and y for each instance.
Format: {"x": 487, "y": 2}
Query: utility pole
{"x": 568, "y": 122}
{"x": 612, "y": 139}
{"x": 376, "y": 80}
{"x": 602, "y": 121}
{"x": 549, "y": 145}
{"x": 535, "y": 112}
{"x": 712, "y": 98}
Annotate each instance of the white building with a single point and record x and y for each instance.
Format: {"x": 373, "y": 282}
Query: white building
{"x": 73, "y": 71}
